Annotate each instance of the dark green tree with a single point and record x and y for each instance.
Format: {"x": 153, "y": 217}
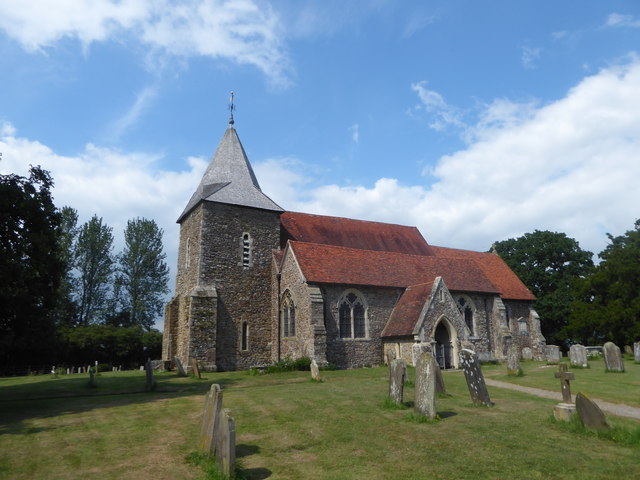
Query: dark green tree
{"x": 548, "y": 263}
{"x": 66, "y": 309}
{"x": 607, "y": 306}
{"x": 30, "y": 268}
{"x": 94, "y": 265}
{"x": 143, "y": 274}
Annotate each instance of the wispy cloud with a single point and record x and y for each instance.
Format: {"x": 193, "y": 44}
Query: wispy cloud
{"x": 131, "y": 117}
{"x": 355, "y": 133}
{"x": 244, "y": 31}
{"x": 529, "y": 55}
{"x": 619, "y": 20}
{"x": 417, "y": 22}
{"x": 440, "y": 114}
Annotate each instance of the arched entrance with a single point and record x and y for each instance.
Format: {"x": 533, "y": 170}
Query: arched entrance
{"x": 443, "y": 347}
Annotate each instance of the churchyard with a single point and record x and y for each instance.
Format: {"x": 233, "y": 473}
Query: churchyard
{"x": 289, "y": 427}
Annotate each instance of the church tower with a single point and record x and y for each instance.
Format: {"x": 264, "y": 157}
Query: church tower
{"x": 220, "y": 312}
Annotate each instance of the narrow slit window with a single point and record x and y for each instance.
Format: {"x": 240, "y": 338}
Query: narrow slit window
{"x": 246, "y": 250}
{"x": 245, "y": 336}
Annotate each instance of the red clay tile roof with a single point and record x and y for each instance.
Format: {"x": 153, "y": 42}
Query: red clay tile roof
{"x": 405, "y": 314}
{"x": 346, "y": 232}
{"x": 498, "y": 272}
{"x": 331, "y": 264}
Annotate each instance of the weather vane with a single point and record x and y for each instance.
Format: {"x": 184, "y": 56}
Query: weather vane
{"x": 232, "y": 107}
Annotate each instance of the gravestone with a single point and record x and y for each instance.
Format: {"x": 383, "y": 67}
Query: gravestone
{"x": 628, "y": 350}
{"x": 440, "y": 388}
{"x": 396, "y": 380}
{"x": 612, "y": 358}
{"x": 475, "y": 380}
{"x": 565, "y": 377}
{"x": 195, "y": 367}
{"x": 527, "y": 353}
{"x": 416, "y": 351}
{"x": 210, "y": 419}
{"x": 391, "y": 355}
{"x": 553, "y": 354}
{"x": 513, "y": 359}
{"x": 92, "y": 382}
{"x": 425, "y": 386}
{"x": 590, "y": 414}
{"x": 578, "y": 355}
{"x": 179, "y": 366}
{"x": 226, "y": 444}
{"x": 149, "y": 371}
{"x": 315, "y": 371}
{"x": 636, "y": 352}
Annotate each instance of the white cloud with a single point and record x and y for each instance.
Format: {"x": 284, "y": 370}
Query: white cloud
{"x": 355, "y": 132}
{"x": 529, "y": 56}
{"x": 619, "y": 20}
{"x": 440, "y": 114}
{"x": 131, "y": 117}
{"x": 243, "y": 31}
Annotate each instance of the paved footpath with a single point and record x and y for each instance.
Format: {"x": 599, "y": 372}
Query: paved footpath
{"x": 619, "y": 409}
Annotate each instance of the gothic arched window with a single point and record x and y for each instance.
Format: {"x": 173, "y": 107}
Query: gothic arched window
{"x": 352, "y": 313}
{"x": 466, "y": 308}
{"x": 288, "y": 315}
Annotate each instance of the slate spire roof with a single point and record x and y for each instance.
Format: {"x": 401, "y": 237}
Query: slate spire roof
{"x": 229, "y": 179}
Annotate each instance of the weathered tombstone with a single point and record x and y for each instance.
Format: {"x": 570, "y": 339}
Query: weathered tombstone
{"x": 636, "y": 352}
{"x": 195, "y": 367}
{"x": 179, "y": 366}
{"x": 590, "y": 414}
{"x": 396, "y": 380}
{"x": 92, "y": 382}
{"x": 553, "y": 354}
{"x": 53, "y": 370}
{"x": 578, "y": 356}
{"x": 210, "y": 419}
{"x": 142, "y": 368}
{"x": 612, "y": 358}
{"x": 391, "y": 355}
{"x": 565, "y": 377}
{"x": 628, "y": 350}
{"x": 226, "y": 444}
{"x": 315, "y": 371}
{"x": 68, "y": 371}
{"x": 425, "y": 386}
{"x": 440, "y": 388}
{"x": 475, "y": 380}
{"x": 513, "y": 359}
{"x": 527, "y": 353}
{"x": 416, "y": 351}
{"x": 149, "y": 369}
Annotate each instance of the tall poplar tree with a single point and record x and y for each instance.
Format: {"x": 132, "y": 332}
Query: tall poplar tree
{"x": 143, "y": 274}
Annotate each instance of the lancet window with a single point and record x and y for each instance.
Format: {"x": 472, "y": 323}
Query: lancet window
{"x": 288, "y": 316}
{"x": 466, "y": 308}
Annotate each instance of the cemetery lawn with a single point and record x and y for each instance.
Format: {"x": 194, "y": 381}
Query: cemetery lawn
{"x": 291, "y": 428}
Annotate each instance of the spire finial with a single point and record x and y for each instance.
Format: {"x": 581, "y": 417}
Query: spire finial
{"x": 232, "y": 107}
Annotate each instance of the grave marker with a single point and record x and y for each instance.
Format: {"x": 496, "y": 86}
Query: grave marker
{"x": 578, "y": 356}
{"x": 210, "y": 419}
{"x": 513, "y": 359}
{"x": 396, "y": 380}
{"x": 590, "y": 414}
{"x": 553, "y": 354}
{"x": 440, "y": 388}
{"x": 475, "y": 380}
{"x": 565, "y": 377}
{"x": 149, "y": 370}
{"x": 92, "y": 382}
{"x": 226, "y": 444}
{"x": 179, "y": 366}
{"x": 612, "y": 358}
{"x": 636, "y": 352}
{"x": 315, "y": 371}
{"x": 195, "y": 367}
{"x": 527, "y": 353}
{"x": 425, "y": 386}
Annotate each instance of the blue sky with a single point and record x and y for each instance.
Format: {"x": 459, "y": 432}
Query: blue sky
{"x": 475, "y": 121}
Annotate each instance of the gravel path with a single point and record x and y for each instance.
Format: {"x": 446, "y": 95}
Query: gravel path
{"x": 619, "y": 409}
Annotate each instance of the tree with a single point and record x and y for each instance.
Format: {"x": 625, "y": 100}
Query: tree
{"x": 607, "y": 305}
{"x": 94, "y": 263}
{"x": 30, "y": 268}
{"x": 66, "y": 309}
{"x": 142, "y": 273}
{"x": 548, "y": 263}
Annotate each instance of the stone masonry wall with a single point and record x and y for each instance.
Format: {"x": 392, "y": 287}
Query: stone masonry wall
{"x": 244, "y": 293}
{"x": 190, "y": 233}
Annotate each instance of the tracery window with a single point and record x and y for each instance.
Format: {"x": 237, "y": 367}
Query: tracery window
{"x": 352, "y": 313}
{"x": 288, "y": 315}
{"x": 466, "y": 308}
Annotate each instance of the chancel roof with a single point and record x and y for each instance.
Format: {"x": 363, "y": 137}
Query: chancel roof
{"x": 351, "y": 266}
{"x": 407, "y": 311}
{"x": 346, "y": 232}
{"x": 495, "y": 269}
{"x": 229, "y": 178}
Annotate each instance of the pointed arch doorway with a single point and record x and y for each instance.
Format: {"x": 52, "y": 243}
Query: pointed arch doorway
{"x": 443, "y": 346}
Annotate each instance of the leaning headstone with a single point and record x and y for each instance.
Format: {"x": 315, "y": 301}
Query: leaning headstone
{"x": 636, "y": 352}
{"x": 440, "y": 388}
{"x": 315, "y": 371}
{"x": 590, "y": 414}
{"x": 578, "y": 356}
{"x": 475, "y": 380}
{"x": 612, "y": 358}
{"x": 210, "y": 419}
{"x": 226, "y": 444}
{"x": 553, "y": 354}
{"x": 149, "y": 370}
{"x": 425, "y": 386}
{"x": 396, "y": 380}
{"x": 391, "y": 355}
{"x": 179, "y": 366}
{"x": 513, "y": 359}
{"x": 195, "y": 367}
{"x": 527, "y": 353}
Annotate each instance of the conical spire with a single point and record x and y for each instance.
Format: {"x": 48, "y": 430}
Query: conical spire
{"x": 229, "y": 178}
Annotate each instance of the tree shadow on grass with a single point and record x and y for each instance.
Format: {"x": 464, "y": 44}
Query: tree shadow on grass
{"x": 447, "y": 414}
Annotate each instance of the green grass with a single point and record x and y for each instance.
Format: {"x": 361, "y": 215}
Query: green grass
{"x": 290, "y": 428}
{"x": 593, "y": 381}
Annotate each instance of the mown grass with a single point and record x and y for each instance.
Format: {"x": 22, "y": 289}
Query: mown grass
{"x": 290, "y": 428}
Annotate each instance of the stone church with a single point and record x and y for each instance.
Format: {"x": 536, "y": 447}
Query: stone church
{"x": 256, "y": 284}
